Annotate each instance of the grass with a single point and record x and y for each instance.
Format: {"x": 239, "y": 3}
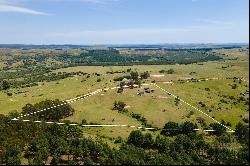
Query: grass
{"x": 195, "y": 92}
{"x": 2, "y": 64}
{"x": 66, "y": 89}
{"x": 98, "y": 108}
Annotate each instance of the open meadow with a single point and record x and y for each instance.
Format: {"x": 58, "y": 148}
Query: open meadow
{"x": 207, "y": 86}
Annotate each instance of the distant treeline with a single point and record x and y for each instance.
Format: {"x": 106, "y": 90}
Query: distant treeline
{"x": 112, "y": 57}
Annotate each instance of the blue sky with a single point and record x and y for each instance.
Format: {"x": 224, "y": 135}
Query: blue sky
{"x": 123, "y": 21}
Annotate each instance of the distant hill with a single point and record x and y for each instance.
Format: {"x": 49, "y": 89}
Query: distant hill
{"x": 168, "y": 46}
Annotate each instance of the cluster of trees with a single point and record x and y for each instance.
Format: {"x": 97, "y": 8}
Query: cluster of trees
{"x": 141, "y": 118}
{"x": 134, "y": 75}
{"x": 120, "y": 106}
{"x": 169, "y": 71}
{"x": 145, "y": 75}
{"x": 4, "y": 85}
{"x": 54, "y": 114}
{"x": 31, "y": 77}
{"x": 173, "y": 128}
{"x": 134, "y": 78}
{"x": 38, "y": 68}
{"x": 40, "y": 144}
{"x": 34, "y": 79}
{"x": 113, "y": 57}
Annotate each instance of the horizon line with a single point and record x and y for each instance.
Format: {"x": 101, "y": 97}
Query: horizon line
{"x": 129, "y": 43}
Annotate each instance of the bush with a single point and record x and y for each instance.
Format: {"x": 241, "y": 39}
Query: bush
{"x": 228, "y": 124}
{"x": 234, "y": 86}
{"x": 246, "y": 120}
{"x": 9, "y": 93}
{"x": 145, "y": 75}
{"x": 219, "y": 129}
{"x": 118, "y": 140}
{"x": 188, "y": 127}
{"x": 119, "y": 106}
{"x": 190, "y": 114}
{"x": 84, "y": 122}
{"x": 170, "y": 71}
{"x": 5, "y": 85}
{"x": 207, "y": 89}
{"x": 201, "y": 121}
{"x": 136, "y": 138}
{"x": 171, "y": 129}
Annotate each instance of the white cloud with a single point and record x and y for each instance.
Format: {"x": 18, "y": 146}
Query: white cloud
{"x": 215, "y": 22}
{"x": 17, "y": 9}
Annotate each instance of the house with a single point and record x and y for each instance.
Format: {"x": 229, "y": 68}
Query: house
{"x": 125, "y": 80}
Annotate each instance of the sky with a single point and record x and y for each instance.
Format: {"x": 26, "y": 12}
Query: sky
{"x": 123, "y": 21}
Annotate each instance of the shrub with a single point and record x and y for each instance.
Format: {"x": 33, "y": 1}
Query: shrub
{"x": 118, "y": 140}
{"x": 9, "y": 93}
{"x": 119, "y": 106}
{"x": 170, "y": 71}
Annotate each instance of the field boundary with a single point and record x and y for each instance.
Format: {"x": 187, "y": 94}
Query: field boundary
{"x": 107, "y": 125}
{"x": 193, "y": 107}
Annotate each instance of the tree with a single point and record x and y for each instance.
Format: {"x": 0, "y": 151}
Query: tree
{"x": 136, "y": 138}
{"x": 145, "y": 75}
{"x": 38, "y": 152}
{"x": 219, "y": 129}
{"x": 234, "y": 86}
{"x": 162, "y": 143}
{"x": 5, "y": 85}
{"x": 13, "y": 155}
{"x": 183, "y": 141}
{"x": 138, "y": 82}
{"x": 119, "y": 106}
{"x": 58, "y": 147}
{"x": 188, "y": 127}
{"x": 55, "y": 114}
{"x": 148, "y": 141}
{"x": 170, "y": 71}
{"x": 171, "y": 129}
{"x": 118, "y": 140}
{"x": 84, "y": 122}
{"x": 134, "y": 75}
{"x": 242, "y": 133}
{"x": 243, "y": 156}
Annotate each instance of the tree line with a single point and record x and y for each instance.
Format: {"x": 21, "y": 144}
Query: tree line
{"x": 177, "y": 143}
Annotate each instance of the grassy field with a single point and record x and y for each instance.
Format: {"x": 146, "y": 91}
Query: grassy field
{"x": 157, "y": 108}
{"x": 195, "y": 93}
